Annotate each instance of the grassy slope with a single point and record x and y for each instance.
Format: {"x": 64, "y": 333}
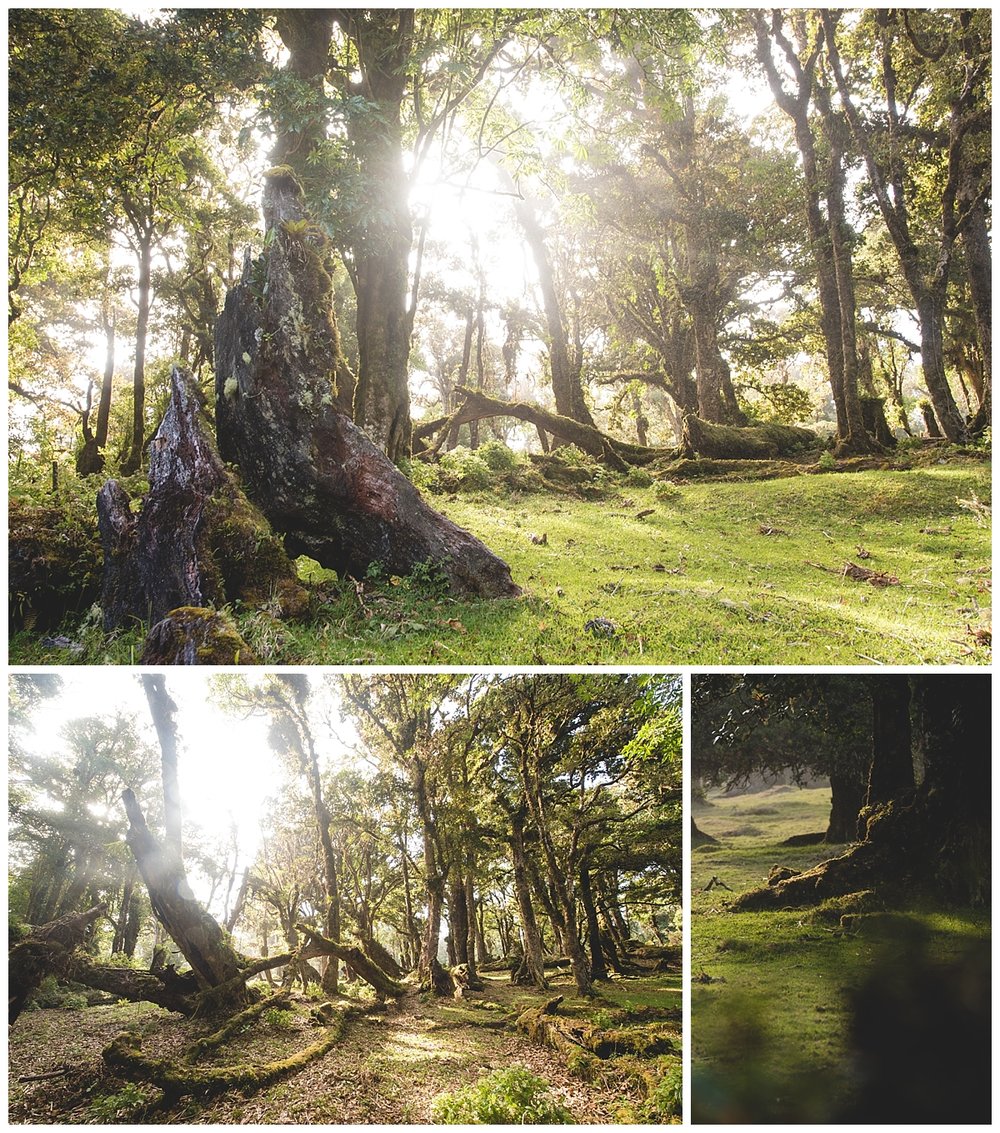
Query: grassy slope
{"x": 387, "y": 1069}
{"x": 696, "y": 582}
{"x": 769, "y": 1037}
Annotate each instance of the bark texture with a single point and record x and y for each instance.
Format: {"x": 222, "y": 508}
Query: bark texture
{"x": 315, "y": 475}
{"x": 46, "y": 950}
{"x": 196, "y": 540}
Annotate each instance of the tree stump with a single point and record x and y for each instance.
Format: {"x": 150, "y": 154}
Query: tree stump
{"x": 197, "y": 540}
{"x": 316, "y": 476}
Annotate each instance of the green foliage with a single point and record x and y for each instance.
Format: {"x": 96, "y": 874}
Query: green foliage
{"x": 638, "y": 478}
{"x": 667, "y": 492}
{"x": 505, "y": 1097}
{"x": 114, "y": 1109}
{"x": 826, "y": 462}
{"x": 498, "y": 457}
{"x": 783, "y": 403}
{"x": 52, "y": 993}
{"x": 279, "y": 1018}
{"x": 665, "y": 1099}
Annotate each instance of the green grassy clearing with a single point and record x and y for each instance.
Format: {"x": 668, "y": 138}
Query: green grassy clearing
{"x": 694, "y": 582}
{"x": 770, "y": 1033}
{"x": 389, "y": 1067}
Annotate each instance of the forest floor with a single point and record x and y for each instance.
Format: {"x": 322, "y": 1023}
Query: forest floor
{"x": 696, "y": 572}
{"x": 777, "y": 996}
{"x": 388, "y": 1068}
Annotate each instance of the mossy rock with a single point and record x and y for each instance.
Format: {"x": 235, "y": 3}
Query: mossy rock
{"x": 55, "y": 564}
{"x": 192, "y": 635}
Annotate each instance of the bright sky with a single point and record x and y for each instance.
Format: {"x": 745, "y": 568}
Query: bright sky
{"x": 227, "y": 771}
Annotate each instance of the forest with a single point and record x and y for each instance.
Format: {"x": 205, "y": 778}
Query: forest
{"x": 841, "y": 899}
{"x": 470, "y": 336}
{"x": 345, "y": 898}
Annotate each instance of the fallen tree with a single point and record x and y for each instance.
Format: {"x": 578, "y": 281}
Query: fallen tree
{"x": 316, "y": 476}
{"x": 765, "y": 441}
{"x": 478, "y": 406}
{"x": 48, "y": 949}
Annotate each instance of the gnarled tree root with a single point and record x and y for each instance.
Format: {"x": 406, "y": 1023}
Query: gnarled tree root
{"x": 234, "y": 1024}
{"x": 177, "y": 1078}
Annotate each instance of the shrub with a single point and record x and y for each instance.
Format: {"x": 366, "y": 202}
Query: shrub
{"x": 666, "y": 1097}
{"x": 464, "y": 468}
{"x": 826, "y": 463}
{"x": 505, "y": 1097}
{"x": 638, "y": 478}
{"x": 666, "y": 490}
{"x": 498, "y": 457}
{"x": 113, "y": 1108}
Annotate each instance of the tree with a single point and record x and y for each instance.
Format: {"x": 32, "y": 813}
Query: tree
{"x": 829, "y": 235}
{"x": 949, "y": 58}
{"x": 930, "y": 839}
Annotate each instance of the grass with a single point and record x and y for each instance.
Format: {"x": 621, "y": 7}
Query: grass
{"x": 696, "y": 582}
{"x": 771, "y": 1032}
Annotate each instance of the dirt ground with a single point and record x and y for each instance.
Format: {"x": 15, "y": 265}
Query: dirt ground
{"x": 387, "y": 1069}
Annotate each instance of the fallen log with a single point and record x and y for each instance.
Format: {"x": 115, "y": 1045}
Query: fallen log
{"x": 316, "y": 476}
{"x": 765, "y": 441}
{"x": 48, "y": 949}
{"x": 619, "y": 455}
{"x": 366, "y": 968}
{"x": 176, "y": 1078}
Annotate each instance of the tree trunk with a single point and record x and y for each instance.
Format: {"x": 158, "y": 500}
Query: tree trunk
{"x": 891, "y": 772}
{"x": 312, "y": 471}
{"x": 47, "y": 950}
{"x": 934, "y": 840}
{"x": 197, "y": 539}
{"x": 194, "y": 932}
{"x": 533, "y": 961}
{"x": 979, "y": 269}
{"x": 381, "y": 239}
{"x": 847, "y": 798}
{"x": 145, "y": 252}
{"x": 598, "y": 967}
{"x": 162, "y": 709}
{"x": 565, "y": 363}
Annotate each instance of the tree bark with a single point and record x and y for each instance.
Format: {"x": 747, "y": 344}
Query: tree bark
{"x": 47, "y": 949}
{"x": 598, "y": 966}
{"x": 162, "y": 708}
{"x": 314, "y": 474}
{"x": 197, "y": 539}
{"x": 194, "y": 932}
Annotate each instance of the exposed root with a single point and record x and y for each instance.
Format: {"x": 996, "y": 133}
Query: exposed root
{"x": 217, "y": 1038}
{"x": 178, "y": 1078}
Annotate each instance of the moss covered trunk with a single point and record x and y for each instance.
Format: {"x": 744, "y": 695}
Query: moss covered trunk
{"x": 314, "y": 473}
{"x": 197, "y": 541}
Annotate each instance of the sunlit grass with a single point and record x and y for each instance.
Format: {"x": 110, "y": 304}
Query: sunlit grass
{"x": 721, "y": 573}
